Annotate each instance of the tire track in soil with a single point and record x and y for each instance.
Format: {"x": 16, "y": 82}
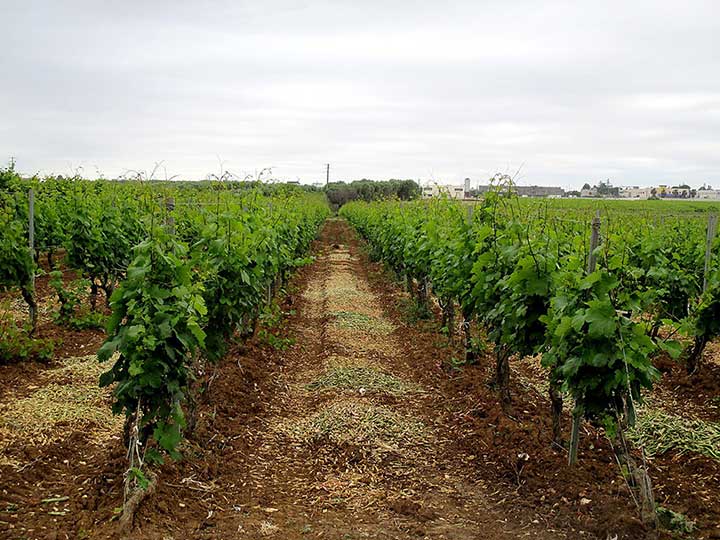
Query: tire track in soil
{"x": 354, "y": 462}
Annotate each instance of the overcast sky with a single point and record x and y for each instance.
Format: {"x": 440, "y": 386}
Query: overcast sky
{"x": 570, "y": 91}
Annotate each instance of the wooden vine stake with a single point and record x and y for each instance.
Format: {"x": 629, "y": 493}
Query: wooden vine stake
{"x": 31, "y": 225}
{"x": 577, "y": 412}
{"x": 711, "y": 230}
{"x": 29, "y": 292}
{"x": 170, "y": 219}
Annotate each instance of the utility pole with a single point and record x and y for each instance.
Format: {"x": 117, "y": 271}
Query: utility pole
{"x": 327, "y": 174}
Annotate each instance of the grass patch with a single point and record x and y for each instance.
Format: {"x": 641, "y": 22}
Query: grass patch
{"x": 359, "y": 321}
{"x": 674, "y": 521}
{"x": 361, "y": 378}
{"x": 16, "y": 344}
{"x": 356, "y": 422}
{"x": 413, "y": 313}
{"x": 658, "y": 432}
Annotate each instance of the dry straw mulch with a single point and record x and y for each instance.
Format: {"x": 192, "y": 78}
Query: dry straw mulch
{"x": 363, "y": 379}
{"x": 71, "y": 399}
{"x": 355, "y": 421}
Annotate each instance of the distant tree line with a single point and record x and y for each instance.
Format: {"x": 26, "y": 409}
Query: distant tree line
{"x": 339, "y": 193}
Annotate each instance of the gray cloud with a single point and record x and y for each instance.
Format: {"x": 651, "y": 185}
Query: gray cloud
{"x": 574, "y": 91}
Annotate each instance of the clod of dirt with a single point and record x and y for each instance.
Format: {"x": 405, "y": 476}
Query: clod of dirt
{"x": 407, "y": 507}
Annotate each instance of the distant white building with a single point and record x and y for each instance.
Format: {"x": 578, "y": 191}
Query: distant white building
{"x": 435, "y": 190}
{"x": 430, "y": 191}
{"x": 457, "y": 192}
{"x": 588, "y": 192}
{"x": 708, "y": 194}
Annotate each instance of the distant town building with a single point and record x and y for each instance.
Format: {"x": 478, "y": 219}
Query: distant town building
{"x": 528, "y": 191}
{"x": 602, "y": 190}
{"x": 661, "y": 191}
{"x": 680, "y": 192}
{"x": 635, "y": 192}
{"x": 708, "y": 193}
{"x": 539, "y": 191}
{"x": 436, "y": 190}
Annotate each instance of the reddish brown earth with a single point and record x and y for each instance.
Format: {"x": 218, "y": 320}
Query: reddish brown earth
{"x": 701, "y": 391}
{"x": 246, "y": 473}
